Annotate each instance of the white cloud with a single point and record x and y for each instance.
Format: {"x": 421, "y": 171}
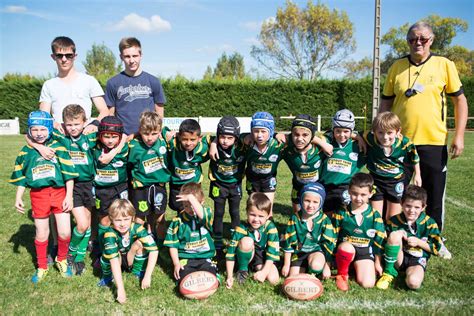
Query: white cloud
{"x": 251, "y": 41}
{"x": 19, "y": 9}
{"x": 215, "y": 49}
{"x": 251, "y": 25}
{"x": 15, "y": 9}
{"x": 136, "y": 22}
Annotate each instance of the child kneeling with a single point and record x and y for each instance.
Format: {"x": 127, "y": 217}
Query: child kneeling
{"x": 254, "y": 244}
{"x": 127, "y": 247}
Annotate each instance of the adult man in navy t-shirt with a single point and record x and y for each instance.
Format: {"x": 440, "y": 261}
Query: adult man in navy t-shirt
{"x": 133, "y": 91}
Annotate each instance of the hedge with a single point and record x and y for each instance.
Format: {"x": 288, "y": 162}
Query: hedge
{"x": 239, "y": 98}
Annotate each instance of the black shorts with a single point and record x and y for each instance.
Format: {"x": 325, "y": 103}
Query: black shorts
{"x": 193, "y": 265}
{"x": 150, "y": 198}
{"x": 411, "y": 261}
{"x": 337, "y": 196}
{"x": 364, "y": 253}
{"x": 389, "y": 189}
{"x": 174, "y": 191}
{"x": 223, "y": 191}
{"x": 261, "y": 185}
{"x": 104, "y": 197}
{"x": 83, "y": 195}
{"x": 301, "y": 259}
{"x": 124, "y": 263}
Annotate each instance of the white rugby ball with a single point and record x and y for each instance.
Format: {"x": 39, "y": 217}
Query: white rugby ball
{"x": 198, "y": 285}
{"x": 303, "y": 287}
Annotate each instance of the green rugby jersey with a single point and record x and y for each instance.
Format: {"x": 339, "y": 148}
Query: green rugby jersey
{"x": 113, "y": 173}
{"x": 298, "y": 239}
{"x": 116, "y": 244}
{"x": 344, "y": 163}
{"x": 305, "y": 168}
{"x": 33, "y": 171}
{"x": 370, "y": 233}
{"x": 149, "y": 165}
{"x": 424, "y": 228}
{"x": 389, "y": 166}
{"x": 261, "y": 165}
{"x": 80, "y": 150}
{"x": 185, "y": 166}
{"x": 191, "y": 235}
{"x": 230, "y": 166}
{"x": 265, "y": 238}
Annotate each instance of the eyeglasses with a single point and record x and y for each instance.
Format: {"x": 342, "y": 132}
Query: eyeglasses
{"x": 68, "y": 56}
{"x": 422, "y": 40}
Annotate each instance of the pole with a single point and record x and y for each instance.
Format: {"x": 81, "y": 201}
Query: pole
{"x": 376, "y": 62}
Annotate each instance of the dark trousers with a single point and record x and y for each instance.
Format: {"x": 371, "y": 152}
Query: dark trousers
{"x": 433, "y": 167}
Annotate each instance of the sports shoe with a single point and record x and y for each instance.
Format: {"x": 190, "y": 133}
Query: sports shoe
{"x": 96, "y": 264}
{"x": 105, "y": 281}
{"x": 39, "y": 275}
{"x": 385, "y": 281}
{"x": 139, "y": 275}
{"x": 242, "y": 276}
{"x": 444, "y": 253}
{"x": 79, "y": 268}
{"x": 342, "y": 282}
{"x": 64, "y": 268}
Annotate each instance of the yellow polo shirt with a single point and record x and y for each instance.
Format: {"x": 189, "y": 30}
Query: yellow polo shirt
{"x": 423, "y": 115}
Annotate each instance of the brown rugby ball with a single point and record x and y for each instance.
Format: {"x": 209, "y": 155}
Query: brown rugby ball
{"x": 198, "y": 285}
{"x": 303, "y": 287}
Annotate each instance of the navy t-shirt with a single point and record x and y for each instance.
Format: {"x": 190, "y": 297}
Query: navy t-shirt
{"x": 131, "y": 96}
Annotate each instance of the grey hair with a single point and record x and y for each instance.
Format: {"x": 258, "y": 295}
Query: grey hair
{"x": 421, "y": 25}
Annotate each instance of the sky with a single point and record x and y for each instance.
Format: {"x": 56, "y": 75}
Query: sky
{"x": 184, "y": 36}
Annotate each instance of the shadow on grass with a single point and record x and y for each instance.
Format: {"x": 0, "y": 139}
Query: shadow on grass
{"x": 25, "y": 237}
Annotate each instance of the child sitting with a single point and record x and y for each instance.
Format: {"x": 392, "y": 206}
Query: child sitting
{"x": 254, "y": 244}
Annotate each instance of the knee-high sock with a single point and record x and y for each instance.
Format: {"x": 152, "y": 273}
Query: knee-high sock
{"x": 391, "y": 254}
{"x": 139, "y": 263}
{"x": 343, "y": 261}
{"x": 243, "y": 259}
{"x": 81, "y": 250}
{"x": 76, "y": 238}
{"x": 42, "y": 253}
{"x": 63, "y": 246}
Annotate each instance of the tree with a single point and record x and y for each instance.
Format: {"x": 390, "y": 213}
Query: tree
{"x": 101, "y": 63}
{"x": 227, "y": 67}
{"x": 358, "y": 69}
{"x": 302, "y": 43}
{"x": 444, "y": 29}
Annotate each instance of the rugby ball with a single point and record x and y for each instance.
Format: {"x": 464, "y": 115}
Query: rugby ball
{"x": 303, "y": 287}
{"x": 198, "y": 285}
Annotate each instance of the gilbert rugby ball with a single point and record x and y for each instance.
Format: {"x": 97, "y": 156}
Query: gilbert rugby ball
{"x": 303, "y": 287}
{"x": 198, "y": 285}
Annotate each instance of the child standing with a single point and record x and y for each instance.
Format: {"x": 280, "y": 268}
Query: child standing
{"x": 188, "y": 150}
{"x": 111, "y": 171}
{"x": 226, "y": 173}
{"x": 148, "y": 161}
{"x": 361, "y": 234}
{"x": 51, "y": 183}
{"x": 189, "y": 234}
{"x": 309, "y": 238}
{"x": 387, "y": 152}
{"x": 127, "y": 247}
{"x": 338, "y": 168}
{"x": 79, "y": 147}
{"x": 413, "y": 237}
{"x": 254, "y": 244}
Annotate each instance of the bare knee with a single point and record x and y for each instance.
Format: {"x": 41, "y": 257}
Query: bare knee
{"x": 347, "y": 247}
{"x": 246, "y": 244}
{"x": 366, "y": 283}
{"x": 413, "y": 282}
{"x": 137, "y": 247}
{"x": 395, "y": 238}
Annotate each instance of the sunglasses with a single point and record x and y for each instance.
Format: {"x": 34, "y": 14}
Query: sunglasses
{"x": 422, "y": 40}
{"x": 68, "y": 56}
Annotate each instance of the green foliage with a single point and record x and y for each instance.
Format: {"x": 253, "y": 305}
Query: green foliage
{"x": 228, "y": 67}
{"x": 101, "y": 63}
{"x": 302, "y": 43}
{"x": 358, "y": 69}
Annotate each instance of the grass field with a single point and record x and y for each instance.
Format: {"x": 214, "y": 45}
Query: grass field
{"x": 448, "y": 287}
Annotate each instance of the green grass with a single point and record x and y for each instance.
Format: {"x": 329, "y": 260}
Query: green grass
{"x": 447, "y": 289}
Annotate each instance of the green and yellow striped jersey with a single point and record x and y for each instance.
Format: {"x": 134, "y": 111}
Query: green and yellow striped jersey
{"x": 113, "y": 173}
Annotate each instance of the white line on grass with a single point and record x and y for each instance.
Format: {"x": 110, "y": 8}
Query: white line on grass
{"x": 459, "y": 204}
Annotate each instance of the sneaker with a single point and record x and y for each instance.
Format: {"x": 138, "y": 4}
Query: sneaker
{"x": 96, "y": 264}
{"x": 384, "y": 282}
{"x": 105, "y": 281}
{"x": 39, "y": 275}
{"x": 139, "y": 275}
{"x": 79, "y": 268}
{"x": 70, "y": 263}
{"x": 444, "y": 253}
{"x": 342, "y": 282}
{"x": 242, "y": 276}
{"x": 50, "y": 260}
{"x": 64, "y": 268}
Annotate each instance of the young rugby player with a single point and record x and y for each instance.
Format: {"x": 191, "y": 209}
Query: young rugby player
{"x": 254, "y": 244}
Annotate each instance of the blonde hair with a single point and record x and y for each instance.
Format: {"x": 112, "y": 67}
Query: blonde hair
{"x": 194, "y": 189}
{"x": 386, "y": 121}
{"x": 73, "y": 111}
{"x": 121, "y": 207}
{"x": 150, "y": 121}
{"x": 260, "y": 201}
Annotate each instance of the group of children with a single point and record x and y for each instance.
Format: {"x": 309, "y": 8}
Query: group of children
{"x": 337, "y": 211}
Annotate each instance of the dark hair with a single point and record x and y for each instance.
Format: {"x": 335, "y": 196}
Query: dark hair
{"x": 260, "y": 201}
{"x": 128, "y": 42}
{"x": 189, "y": 126}
{"x": 62, "y": 42}
{"x": 362, "y": 180}
{"x": 414, "y": 192}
